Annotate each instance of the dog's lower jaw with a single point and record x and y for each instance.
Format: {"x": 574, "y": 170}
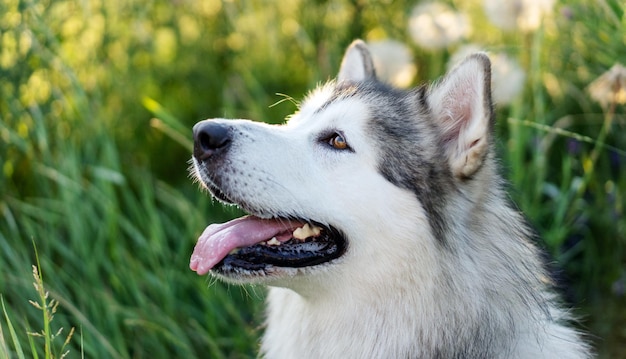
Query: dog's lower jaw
{"x": 272, "y": 276}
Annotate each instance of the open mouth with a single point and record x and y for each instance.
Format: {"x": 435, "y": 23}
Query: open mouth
{"x": 257, "y": 246}
{"x": 252, "y": 245}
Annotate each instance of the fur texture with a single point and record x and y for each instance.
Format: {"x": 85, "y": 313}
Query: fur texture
{"x": 438, "y": 263}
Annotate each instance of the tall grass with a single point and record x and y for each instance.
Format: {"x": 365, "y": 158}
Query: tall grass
{"x": 113, "y": 239}
{"x": 116, "y": 251}
{"x": 97, "y": 99}
{"x": 116, "y": 248}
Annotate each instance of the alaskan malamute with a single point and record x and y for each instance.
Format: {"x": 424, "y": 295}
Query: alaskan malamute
{"x": 379, "y": 221}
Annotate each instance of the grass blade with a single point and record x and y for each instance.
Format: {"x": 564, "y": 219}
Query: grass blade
{"x": 16, "y": 342}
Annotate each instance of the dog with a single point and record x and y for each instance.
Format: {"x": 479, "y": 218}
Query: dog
{"x": 379, "y": 221}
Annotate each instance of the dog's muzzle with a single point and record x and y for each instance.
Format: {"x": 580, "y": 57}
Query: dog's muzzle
{"x": 209, "y": 139}
{"x": 266, "y": 241}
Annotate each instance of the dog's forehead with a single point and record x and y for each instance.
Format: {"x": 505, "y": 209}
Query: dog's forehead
{"x": 317, "y": 99}
{"x": 331, "y": 106}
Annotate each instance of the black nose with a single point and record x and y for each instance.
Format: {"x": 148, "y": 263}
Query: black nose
{"x": 209, "y": 138}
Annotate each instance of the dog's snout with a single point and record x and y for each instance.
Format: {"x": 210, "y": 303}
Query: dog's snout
{"x": 209, "y": 138}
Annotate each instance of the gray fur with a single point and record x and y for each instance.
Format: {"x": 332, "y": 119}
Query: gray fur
{"x": 439, "y": 264}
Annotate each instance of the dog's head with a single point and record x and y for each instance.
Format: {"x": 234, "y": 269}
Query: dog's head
{"x": 361, "y": 168}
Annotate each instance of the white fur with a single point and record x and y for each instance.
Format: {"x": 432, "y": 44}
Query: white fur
{"x": 397, "y": 292}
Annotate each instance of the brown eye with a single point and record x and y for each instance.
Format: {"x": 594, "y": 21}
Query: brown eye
{"x": 338, "y": 142}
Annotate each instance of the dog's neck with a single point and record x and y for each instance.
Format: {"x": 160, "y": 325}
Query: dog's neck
{"x": 419, "y": 307}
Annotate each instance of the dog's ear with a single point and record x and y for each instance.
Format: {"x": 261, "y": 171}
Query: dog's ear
{"x": 357, "y": 64}
{"x": 461, "y": 104}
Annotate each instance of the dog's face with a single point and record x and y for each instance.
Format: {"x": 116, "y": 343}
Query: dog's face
{"x": 360, "y": 168}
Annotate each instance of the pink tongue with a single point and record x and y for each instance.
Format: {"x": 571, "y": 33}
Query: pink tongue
{"x": 218, "y": 240}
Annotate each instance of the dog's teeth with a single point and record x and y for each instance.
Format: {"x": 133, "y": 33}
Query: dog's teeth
{"x": 273, "y": 242}
{"x": 234, "y": 251}
{"x": 306, "y": 231}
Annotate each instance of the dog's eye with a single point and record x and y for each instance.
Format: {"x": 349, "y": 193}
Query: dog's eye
{"x": 338, "y": 142}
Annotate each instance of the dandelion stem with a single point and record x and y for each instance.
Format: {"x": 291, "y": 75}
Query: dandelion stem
{"x": 559, "y": 131}
{"x": 595, "y": 152}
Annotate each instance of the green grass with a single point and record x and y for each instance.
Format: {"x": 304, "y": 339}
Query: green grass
{"x": 116, "y": 259}
{"x": 115, "y": 249}
{"x": 97, "y": 100}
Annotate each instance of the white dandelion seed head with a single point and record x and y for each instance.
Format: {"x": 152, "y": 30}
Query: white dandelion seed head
{"x": 525, "y": 15}
{"x": 507, "y": 79}
{"x": 507, "y": 76}
{"x": 461, "y": 53}
{"x": 436, "y": 26}
{"x": 393, "y": 62}
{"x": 610, "y": 87}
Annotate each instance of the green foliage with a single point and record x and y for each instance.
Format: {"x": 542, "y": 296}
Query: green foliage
{"x": 101, "y": 189}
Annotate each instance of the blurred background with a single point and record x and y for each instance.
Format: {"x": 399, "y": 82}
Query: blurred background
{"x": 97, "y": 101}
